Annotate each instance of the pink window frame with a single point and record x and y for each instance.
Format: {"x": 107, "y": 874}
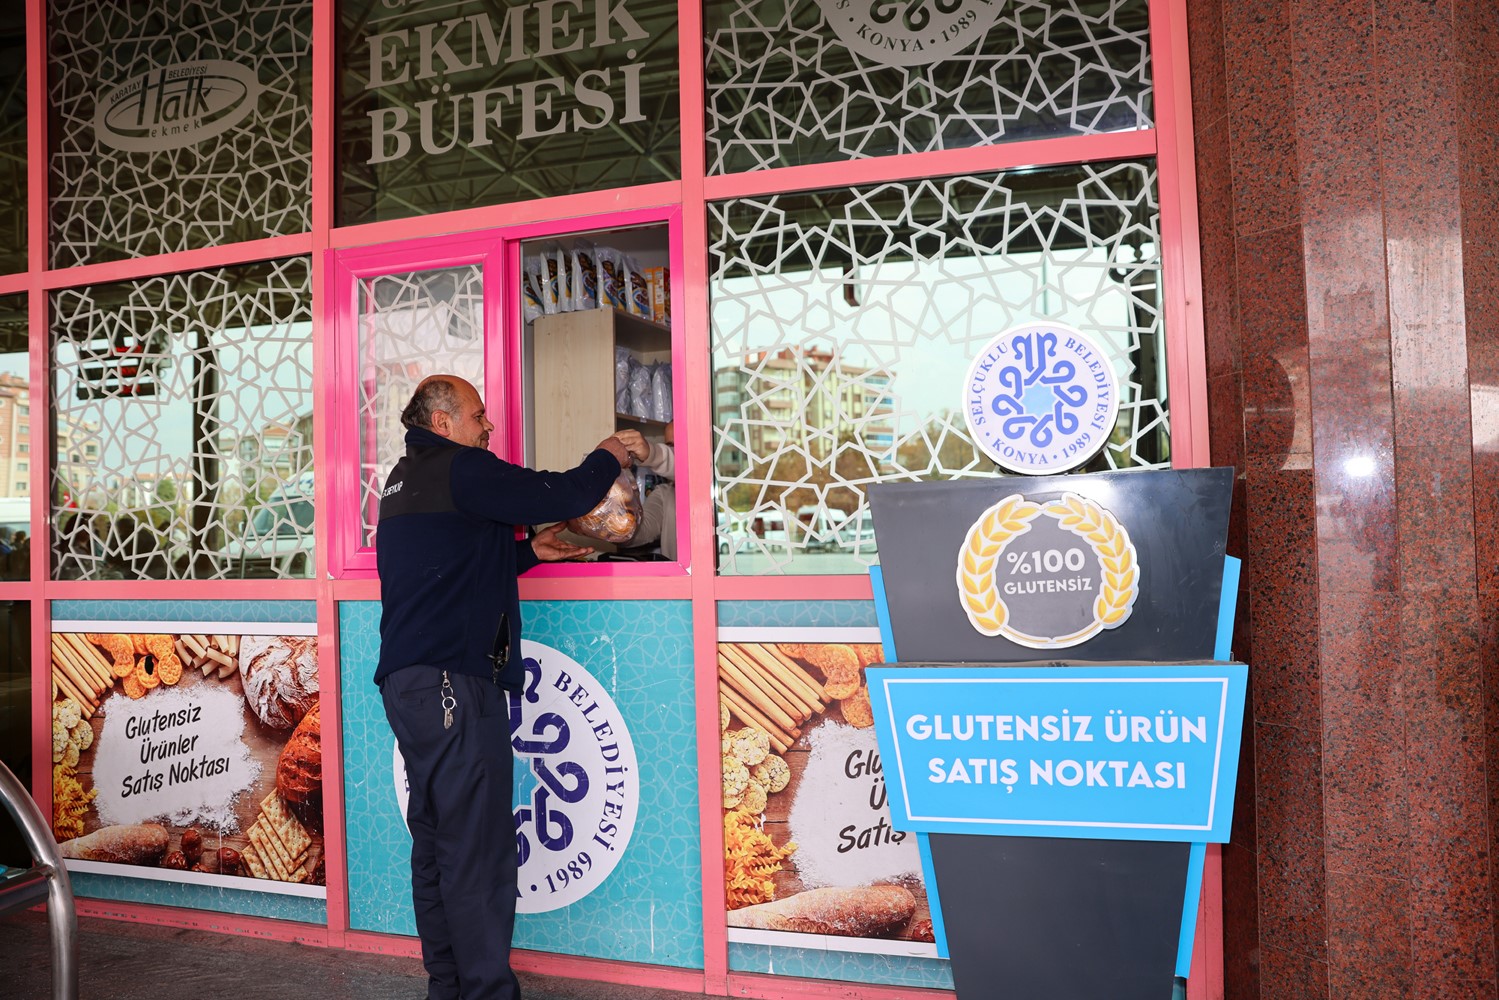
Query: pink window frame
{"x": 498, "y": 251}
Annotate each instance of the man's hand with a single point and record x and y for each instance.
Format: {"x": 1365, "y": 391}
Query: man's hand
{"x": 635, "y": 442}
{"x": 618, "y": 449}
{"x": 550, "y": 548}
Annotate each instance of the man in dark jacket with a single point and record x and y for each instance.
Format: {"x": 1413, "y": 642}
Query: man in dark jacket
{"x": 449, "y": 646}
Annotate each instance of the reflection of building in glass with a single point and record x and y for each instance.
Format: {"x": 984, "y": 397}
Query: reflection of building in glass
{"x": 274, "y": 454}
{"x": 77, "y": 443}
{"x": 806, "y": 398}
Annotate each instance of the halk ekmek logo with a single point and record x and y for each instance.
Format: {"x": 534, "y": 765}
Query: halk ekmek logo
{"x": 178, "y": 105}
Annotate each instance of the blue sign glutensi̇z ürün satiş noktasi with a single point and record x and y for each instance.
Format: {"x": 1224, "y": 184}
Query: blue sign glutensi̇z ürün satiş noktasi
{"x": 1111, "y": 752}
{"x": 1041, "y": 398}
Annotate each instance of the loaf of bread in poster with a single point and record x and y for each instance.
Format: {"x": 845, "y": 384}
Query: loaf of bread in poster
{"x": 130, "y": 844}
{"x": 280, "y": 677}
{"x": 299, "y": 772}
{"x": 859, "y": 911}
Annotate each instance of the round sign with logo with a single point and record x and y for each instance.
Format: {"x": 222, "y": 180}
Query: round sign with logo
{"x": 1041, "y": 398}
{"x": 1047, "y": 575}
{"x": 176, "y": 105}
{"x": 910, "y": 32}
{"x": 576, "y": 798}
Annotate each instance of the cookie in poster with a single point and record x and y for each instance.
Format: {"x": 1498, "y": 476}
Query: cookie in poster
{"x": 189, "y": 755}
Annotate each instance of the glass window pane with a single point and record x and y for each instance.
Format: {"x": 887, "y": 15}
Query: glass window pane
{"x": 13, "y": 138}
{"x": 843, "y": 324}
{"x": 15, "y": 383}
{"x": 184, "y": 423}
{"x": 177, "y": 131}
{"x": 454, "y": 105}
{"x": 411, "y": 325}
{"x": 812, "y": 82}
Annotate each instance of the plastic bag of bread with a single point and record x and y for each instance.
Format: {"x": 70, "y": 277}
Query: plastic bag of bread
{"x": 616, "y": 517}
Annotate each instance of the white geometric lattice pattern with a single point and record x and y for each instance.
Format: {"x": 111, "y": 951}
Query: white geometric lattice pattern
{"x": 411, "y": 325}
{"x": 179, "y": 192}
{"x": 184, "y": 426}
{"x": 811, "y": 81}
{"x": 843, "y": 324}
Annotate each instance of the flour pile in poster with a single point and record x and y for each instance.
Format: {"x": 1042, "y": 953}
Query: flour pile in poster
{"x": 177, "y": 755}
{"x": 844, "y": 779}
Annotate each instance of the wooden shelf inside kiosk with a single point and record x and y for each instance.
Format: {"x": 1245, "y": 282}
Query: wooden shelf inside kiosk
{"x": 573, "y": 365}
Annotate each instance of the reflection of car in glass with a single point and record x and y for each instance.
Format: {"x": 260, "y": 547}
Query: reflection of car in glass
{"x": 822, "y": 528}
{"x": 745, "y": 532}
{"x": 856, "y": 532}
{"x": 278, "y": 538}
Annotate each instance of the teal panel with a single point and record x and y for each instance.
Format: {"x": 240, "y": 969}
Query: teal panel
{"x": 796, "y": 614}
{"x": 258, "y": 612}
{"x": 88, "y": 885}
{"x": 649, "y": 909}
{"x": 842, "y": 966}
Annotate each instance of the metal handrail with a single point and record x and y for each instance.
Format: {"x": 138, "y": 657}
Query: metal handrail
{"x": 25, "y": 890}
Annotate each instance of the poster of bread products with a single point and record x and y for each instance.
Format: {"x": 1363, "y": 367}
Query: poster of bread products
{"x": 810, "y": 858}
{"x": 189, "y": 753}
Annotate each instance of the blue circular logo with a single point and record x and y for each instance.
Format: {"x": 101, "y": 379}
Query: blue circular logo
{"x": 1041, "y": 398}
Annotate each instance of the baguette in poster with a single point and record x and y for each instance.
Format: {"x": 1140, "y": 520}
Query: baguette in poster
{"x": 131, "y": 844}
{"x": 859, "y": 911}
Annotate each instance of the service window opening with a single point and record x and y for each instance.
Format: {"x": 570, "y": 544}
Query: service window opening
{"x": 596, "y": 346}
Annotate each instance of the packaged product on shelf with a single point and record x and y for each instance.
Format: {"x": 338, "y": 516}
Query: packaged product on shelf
{"x": 622, "y": 360}
{"x": 659, "y": 279}
{"x": 661, "y": 391}
{"x": 530, "y": 297}
{"x": 536, "y": 267}
{"x": 637, "y": 291}
{"x": 585, "y": 275}
{"x": 640, "y": 390}
{"x": 566, "y": 300}
{"x": 611, "y": 278}
{"x": 549, "y": 290}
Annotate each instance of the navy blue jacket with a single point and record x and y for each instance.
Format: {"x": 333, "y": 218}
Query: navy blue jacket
{"x": 448, "y": 557}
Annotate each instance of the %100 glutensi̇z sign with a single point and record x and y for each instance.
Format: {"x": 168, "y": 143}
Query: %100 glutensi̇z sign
{"x": 1115, "y": 752}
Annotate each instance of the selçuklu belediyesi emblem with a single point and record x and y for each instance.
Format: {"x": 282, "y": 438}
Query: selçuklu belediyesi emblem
{"x": 1041, "y": 398}
{"x": 913, "y": 32}
{"x": 1047, "y": 575}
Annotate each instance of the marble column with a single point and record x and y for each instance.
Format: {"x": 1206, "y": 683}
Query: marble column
{"x": 1348, "y": 172}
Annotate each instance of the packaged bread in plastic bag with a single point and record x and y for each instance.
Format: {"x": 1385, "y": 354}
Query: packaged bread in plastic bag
{"x": 622, "y": 361}
{"x": 661, "y": 391}
{"x": 617, "y": 516}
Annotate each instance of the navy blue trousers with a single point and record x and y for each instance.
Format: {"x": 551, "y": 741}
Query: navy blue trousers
{"x": 463, "y": 854}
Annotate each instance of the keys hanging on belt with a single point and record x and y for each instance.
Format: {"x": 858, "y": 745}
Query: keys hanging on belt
{"x": 448, "y": 701}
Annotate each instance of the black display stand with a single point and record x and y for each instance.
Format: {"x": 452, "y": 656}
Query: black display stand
{"x": 1028, "y": 918}
{"x": 1043, "y": 917}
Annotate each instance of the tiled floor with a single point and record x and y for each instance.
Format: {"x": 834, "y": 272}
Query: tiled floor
{"x": 126, "y": 961}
